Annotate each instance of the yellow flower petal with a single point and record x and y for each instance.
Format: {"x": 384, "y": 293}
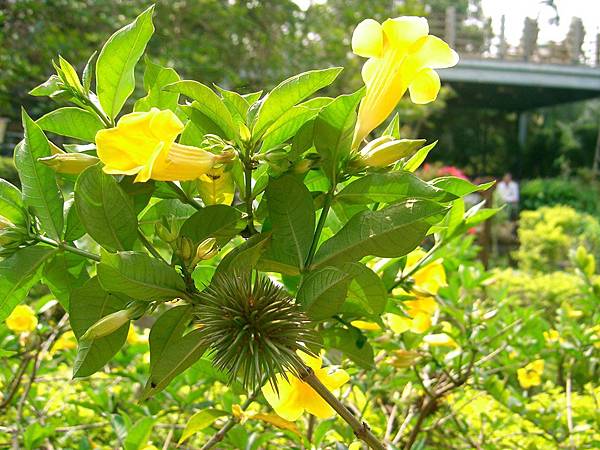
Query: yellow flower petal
{"x": 315, "y": 405}
{"x": 421, "y": 323}
{"x": 399, "y": 324}
{"x": 433, "y": 53}
{"x": 404, "y": 31}
{"x": 422, "y": 305}
{"x": 364, "y": 325}
{"x": 439, "y": 340}
{"x": 367, "y": 39}
{"x": 425, "y": 87}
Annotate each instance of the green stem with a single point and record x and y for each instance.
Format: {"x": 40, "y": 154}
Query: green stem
{"x": 247, "y": 161}
{"x": 361, "y": 429}
{"x": 103, "y": 117}
{"x": 68, "y": 248}
{"x": 183, "y": 196}
{"x": 320, "y": 225}
{"x": 150, "y": 247}
{"x": 218, "y": 437}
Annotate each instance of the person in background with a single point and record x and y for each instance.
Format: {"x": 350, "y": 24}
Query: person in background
{"x": 508, "y": 192}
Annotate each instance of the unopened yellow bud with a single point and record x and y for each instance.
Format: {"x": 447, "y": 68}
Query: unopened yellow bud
{"x": 302, "y": 166}
{"x": 186, "y": 249}
{"x": 383, "y": 151}
{"x": 112, "y": 322}
{"x": 205, "y": 250}
{"x": 403, "y": 358}
{"x": 69, "y": 163}
{"x": 245, "y": 135}
{"x": 164, "y": 233}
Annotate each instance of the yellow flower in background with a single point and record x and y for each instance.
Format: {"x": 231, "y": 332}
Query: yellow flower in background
{"x": 66, "y": 341}
{"x": 552, "y": 336}
{"x": 216, "y": 187}
{"x": 440, "y": 340}
{"x": 531, "y": 374}
{"x": 402, "y": 55}
{"x": 364, "y": 325}
{"x": 143, "y": 143}
{"x": 295, "y": 396}
{"x": 427, "y": 282}
{"x": 22, "y": 319}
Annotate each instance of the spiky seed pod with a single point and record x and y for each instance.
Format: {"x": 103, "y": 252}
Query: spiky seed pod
{"x": 253, "y": 328}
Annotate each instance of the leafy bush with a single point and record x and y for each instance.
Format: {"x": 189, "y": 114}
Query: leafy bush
{"x": 575, "y": 193}
{"x": 548, "y": 234}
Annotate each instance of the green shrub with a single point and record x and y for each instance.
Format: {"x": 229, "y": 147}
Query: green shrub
{"x": 8, "y": 170}
{"x": 547, "y": 235}
{"x": 557, "y": 191}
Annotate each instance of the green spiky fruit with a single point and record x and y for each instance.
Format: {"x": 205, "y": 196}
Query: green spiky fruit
{"x": 253, "y": 328}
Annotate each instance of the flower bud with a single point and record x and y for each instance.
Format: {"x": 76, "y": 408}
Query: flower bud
{"x": 69, "y": 163}
{"x": 186, "y": 249}
{"x": 383, "y": 151}
{"x": 302, "y": 166}
{"x": 245, "y": 134}
{"x": 276, "y": 154}
{"x": 112, "y": 322}
{"x": 165, "y": 234}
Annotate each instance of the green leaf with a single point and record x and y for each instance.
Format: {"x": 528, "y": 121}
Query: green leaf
{"x": 353, "y": 344}
{"x": 246, "y": 255}
{"x": 167, "y": 330}
{"x": 236, "y": 104}
{"x": 64, "y": 272}
{"x": 40, "y": 191}
{"x": 291, "y": 121}
{"x": 219, "y": 221}
{"x": 177, "y": 357}
{"x": 208, "y": 103}
{"x": 138, "y": 434}
{"x": 391, "y": 187}
{"x": 200, "y": 421}
{"x": 156, "y": 78}
{"x": 289, "y": 93}
{"x": 18, "y": 273}
{"x": 11, "y": 203}
{"x": 459, "y": 186}
{"x": 74, "y": 228}
{"x": 139, "y": 276}
{"x": 393, "y": 128}
{"x": 292, "y": 215}
{"x": 176, "y": 212}
{"x": 105, "y": 211}
{"x": 366, "y": 292}
{"x": 323, "y": 292}
{"x": 115, "y": 67}
{"x": 88, "y": 304}
{"x": 334, "y": 128}
{"x": 72, "y": 122}
{"x": 417, "y": 159}
{"x": 388, "y": 233}
{"x": 50, "y": 87}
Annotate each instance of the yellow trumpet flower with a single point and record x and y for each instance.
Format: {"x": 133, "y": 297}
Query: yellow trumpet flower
{"x": 402, "y": 55}
{"x": 143, "y": 143}
{"x": 22, "y": 319}
{"x": 295, "y": 396}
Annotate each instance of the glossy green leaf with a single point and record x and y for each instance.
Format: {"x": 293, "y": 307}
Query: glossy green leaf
{"x": 334, "y": 128}
{"x": 12, "y": 207}
{"x": 219, "y": 221}
{"x": 167, "y": 330}
{"x": 199, "y": 421}
{"x": 292, "y": 215}
{"x": 115, "y": 67}
{"x": 18, "y": 273}
{"x": 366, "y": 293}
{"x": 353, "y": 344}
{"x": 323, "y": 292}
{"x": 72, "y": 122}
{"x": 40, "y": 191}
{"x": 208, "y": 103}
{"x": 88, "y": 304}
{"x": 391, "y": 187}
{"x": 139, "y": 276}
{"x": 393, "y": 128}
{"x": 139, "y": 434}
{"x": 459, "y": 186}
{"x": 177, "y": 357}
{"x": 73, "y": 227}
{"x": 388, "y": 233}
{"x": 105, "y": 211}
{"x": 289, "y": 93}
{"x": 63, "y": 273}
{"x": 246, "y": 255}
{"x": 156, "y": 78}
{"x": 417, "y": 159}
